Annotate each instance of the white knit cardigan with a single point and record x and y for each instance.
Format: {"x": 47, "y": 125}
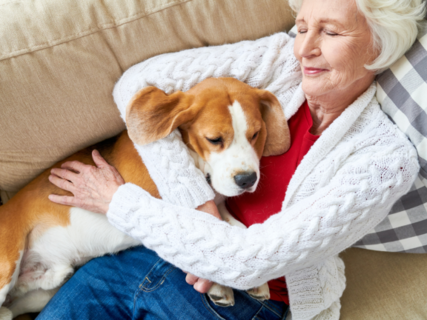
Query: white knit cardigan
{"x": 343, "y": 187}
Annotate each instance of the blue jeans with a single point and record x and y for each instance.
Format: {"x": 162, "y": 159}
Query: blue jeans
{"x": 137, "y": 284}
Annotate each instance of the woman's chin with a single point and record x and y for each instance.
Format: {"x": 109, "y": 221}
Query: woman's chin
{"x": 314, "y": 87}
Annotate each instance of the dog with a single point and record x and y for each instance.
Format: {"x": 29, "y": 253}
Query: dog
{"x": 226, "y": 124}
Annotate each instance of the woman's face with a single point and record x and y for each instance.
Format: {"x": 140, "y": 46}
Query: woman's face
{"x": 333, "y": 44}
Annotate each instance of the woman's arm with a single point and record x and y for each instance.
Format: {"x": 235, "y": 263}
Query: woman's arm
{"x": 357, "y": 198}
{"x": 266, "y": 63}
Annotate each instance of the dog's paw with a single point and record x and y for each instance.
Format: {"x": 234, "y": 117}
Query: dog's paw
{"x": 19, "y": 290}
{"x": 5, "y": 314}
{"x": 221, "y": 296}
{"x": 260, "y": 293}
{"x": 55, "y": 277}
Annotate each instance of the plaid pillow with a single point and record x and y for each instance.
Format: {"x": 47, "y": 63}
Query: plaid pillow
{"x": 402, "y": 93}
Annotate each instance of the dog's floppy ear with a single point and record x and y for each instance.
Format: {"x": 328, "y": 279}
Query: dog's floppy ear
{"x": 278, "y": 136}
{"x": 152, "y": 114}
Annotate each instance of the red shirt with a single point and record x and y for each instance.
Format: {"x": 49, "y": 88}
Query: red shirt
{"x": 276, "y": 172}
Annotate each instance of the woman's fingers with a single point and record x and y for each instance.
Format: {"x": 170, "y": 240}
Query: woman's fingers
{"x": 61, "y": 183}
{"x": 69, "y": 201}
{"x": 191, "y": 279}
{"x": 75, "y": 166}
{"x": 199, "y": 284}
{"x": 92, "y": 187}
{"x": 202, "y": 285}
{"x": 64, "y": 174}
{"x": 98, "y": 159}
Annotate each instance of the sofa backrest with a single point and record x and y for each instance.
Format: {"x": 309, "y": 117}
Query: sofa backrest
{"x": 59, "y": 61}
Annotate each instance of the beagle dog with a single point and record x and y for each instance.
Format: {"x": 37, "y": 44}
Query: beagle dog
{"x": 226, "y": 124}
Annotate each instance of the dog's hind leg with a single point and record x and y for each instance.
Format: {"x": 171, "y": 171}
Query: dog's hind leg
{"x": 56, "y": 276}
{"x": 5, "y": 314}
{"x": 9, "y": 271}
{"x": 33, "y": 301}
{"x": 39, "y": 277}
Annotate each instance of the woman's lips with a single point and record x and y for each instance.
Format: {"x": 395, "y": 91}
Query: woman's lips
{"x": 310, "y": 71}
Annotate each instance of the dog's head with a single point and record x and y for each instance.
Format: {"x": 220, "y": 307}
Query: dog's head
{"x": 229, "y": 124}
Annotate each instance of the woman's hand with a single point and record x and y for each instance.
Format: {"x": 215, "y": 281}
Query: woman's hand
{"x": 93, "y": 187}
{"x": 199, "y": 284}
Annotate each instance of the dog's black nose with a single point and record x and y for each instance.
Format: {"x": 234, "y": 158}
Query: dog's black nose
{"x": 245, "y": 180}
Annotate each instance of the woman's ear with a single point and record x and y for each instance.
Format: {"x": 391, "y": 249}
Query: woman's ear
{"x": 152, "y": 114}
{"x": 278, "y": 136}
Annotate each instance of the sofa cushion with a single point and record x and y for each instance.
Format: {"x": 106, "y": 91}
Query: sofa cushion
{"x": 59, "y": 61}
{"x": 384, "y": 285}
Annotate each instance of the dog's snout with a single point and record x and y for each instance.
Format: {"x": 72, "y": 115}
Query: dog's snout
{"x": 245, "y": 180}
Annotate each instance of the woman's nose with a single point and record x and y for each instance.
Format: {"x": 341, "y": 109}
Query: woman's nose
{"x": 310, "y": 45}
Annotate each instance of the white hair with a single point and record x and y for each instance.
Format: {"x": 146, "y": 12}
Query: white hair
{"x": 393, "y": 24}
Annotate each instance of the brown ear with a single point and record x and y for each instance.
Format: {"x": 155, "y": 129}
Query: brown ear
{"x": 152, "y": 114}
{"x": 278, "y": 136}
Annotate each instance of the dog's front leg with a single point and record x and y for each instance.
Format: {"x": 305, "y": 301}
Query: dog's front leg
{"x": 220, "y": 295}
{"x": 262, "y": 292}
{"x": 223, "y": 296}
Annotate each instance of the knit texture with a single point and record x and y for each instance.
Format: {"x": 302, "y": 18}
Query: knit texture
{"x": 343, "y": 187}
{"x": 169, "y": 163}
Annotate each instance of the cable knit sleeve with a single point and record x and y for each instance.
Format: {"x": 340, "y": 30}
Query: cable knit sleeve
{"x": 265, "y": 63}
{"x": 357, "y": 197}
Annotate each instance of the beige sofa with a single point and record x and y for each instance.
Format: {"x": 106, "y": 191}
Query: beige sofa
{"x": 59, "y": 61}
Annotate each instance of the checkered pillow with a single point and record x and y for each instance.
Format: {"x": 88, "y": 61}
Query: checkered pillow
{"x": 402, "y": 93}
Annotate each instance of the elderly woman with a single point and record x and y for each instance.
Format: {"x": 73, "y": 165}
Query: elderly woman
{"x": 346, "y": 167}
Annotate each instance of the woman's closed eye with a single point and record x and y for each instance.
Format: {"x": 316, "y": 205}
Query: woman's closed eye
{"x": 330, "y": 33}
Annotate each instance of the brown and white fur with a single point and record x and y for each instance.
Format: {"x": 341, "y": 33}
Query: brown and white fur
{"x": 42, "y": 242}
